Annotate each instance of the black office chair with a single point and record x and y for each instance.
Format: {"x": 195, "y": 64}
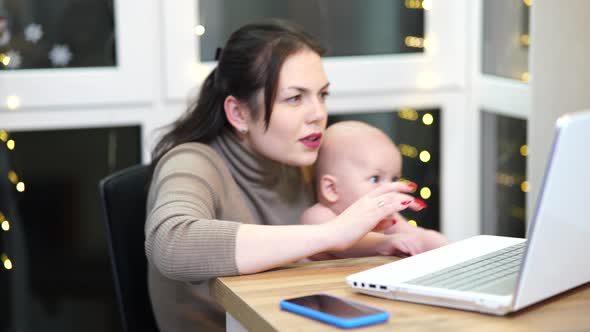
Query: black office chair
{"x": 124, "y": 196}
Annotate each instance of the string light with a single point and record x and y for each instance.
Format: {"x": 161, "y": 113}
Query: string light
{"x": 425, "y": 192}
{"x": 418, "y": 4}
{"x": 508, "y": 180}
{"x": 20, "y": 187}
{"x": 13, "y": 102}
{"x": 10, "y": 144}
{"x": 6, "y": 261}
{"x": 3, "y": 135}
{"x": 425, "y": 156}
{"x": 414, "y": 42}
{"x": 5, "y": 225}
{"x": 408, "y": 150}
{"x": 5, "y": 59}
{"x": 408, "y": 114}
{"x": 199, "y": 30}
{"x": 427, "y": 119}
{"x": 525, "y": 77}
{"x": 524, "y": 186}
{"x": 12, "y": 177}
{"x": 525, "y": 40}
{"x": 413, "y": 4}
{"x": 524, "y": 150}
{"x": 528, "y": 3}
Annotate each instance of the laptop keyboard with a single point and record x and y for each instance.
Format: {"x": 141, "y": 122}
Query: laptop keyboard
{"x": 498, "y": 269}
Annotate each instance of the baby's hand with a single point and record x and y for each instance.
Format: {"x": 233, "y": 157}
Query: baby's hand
{"x": 409, "y": 244}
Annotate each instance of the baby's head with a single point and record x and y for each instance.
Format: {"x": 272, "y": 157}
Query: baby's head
{"x": 354, "y": 159}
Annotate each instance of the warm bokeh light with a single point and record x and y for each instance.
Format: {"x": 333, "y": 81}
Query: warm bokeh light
{"x": 20, "y": 187}
{"x": 425, "y": 192}
{"x": 525, "y": 40}
{"x": 412, "y": 222}
{"x": 3, "y": 135}
{"x": 413, "y": 41}
{"x": 13, "y": 102}
{"x": 528, "y": 3}
{"x": 409, "y": 114}
{"x": 408, "y": 151}
{"x": 6, "y": 261}
{"x": 425, "y": 156}
{"x": 10, "y": 144}
{"x": 6, "y": 225}
{"x": 525, "y": 77}
{"x": 427, "y": 119}
{"x": 12, "y": 177}
{"x": 427, "y": 4}
{"x": 524, "y": 186}
{"x": 524, "y": 150}
{"x": 199, "y": 30}
{"x": 7, "y": 264}
{"x": 5, "y": 59}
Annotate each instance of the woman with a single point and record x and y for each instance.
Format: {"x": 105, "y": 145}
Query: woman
{"x": 228, "y": 173}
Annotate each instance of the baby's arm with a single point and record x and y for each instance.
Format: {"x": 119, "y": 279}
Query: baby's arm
{"x": 317, "y": 214}
{"x": 425, "y": 239}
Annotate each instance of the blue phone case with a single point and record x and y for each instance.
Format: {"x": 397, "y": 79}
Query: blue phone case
{"x": 345, "y": 323}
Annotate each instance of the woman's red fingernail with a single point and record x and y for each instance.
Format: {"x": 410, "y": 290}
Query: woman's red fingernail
{"x": 406, "y": 202}
{"x": 412, "y": 185}
{"x": 420, "y": 202}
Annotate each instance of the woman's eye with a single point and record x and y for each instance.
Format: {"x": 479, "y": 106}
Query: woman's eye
{"x": 374, "y": 179}
{"x": 324, "y": 95}
{"x": 395, "y": 179}
{"x": 294, "y": 99}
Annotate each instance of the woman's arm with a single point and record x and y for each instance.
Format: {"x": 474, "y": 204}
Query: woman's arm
{"x": 260, "y": 248}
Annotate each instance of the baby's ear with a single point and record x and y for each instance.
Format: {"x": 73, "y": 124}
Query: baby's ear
{"x": 328, "y": 188}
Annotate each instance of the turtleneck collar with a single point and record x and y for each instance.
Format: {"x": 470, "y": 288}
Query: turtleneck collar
{"x": 245, "y": 163}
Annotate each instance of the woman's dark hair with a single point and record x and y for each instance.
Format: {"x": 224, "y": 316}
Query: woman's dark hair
{"x": 251, "y": 60}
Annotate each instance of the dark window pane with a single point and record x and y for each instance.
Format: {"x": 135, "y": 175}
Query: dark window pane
{"x": 505, "y": 38}
{"x": 417, "y": 135}
{"x": 57, "y": 33}
{"x": 504, "y": 183}
{"x": 61, "y": 278}
{"x": 345, "y": 27}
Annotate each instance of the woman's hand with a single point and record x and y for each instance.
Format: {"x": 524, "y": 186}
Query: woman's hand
{"x": 368, "y": 211}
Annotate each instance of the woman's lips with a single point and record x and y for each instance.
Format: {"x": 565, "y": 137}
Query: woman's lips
{"x": 312, "y": 141}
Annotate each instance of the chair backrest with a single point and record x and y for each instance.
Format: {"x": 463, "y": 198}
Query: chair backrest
{"x": 124, "y": 196}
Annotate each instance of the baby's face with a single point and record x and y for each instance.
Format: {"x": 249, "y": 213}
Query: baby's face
{"x": 366, "y": 169}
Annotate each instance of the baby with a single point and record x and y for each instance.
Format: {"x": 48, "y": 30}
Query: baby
{"x": 355, "y": 158}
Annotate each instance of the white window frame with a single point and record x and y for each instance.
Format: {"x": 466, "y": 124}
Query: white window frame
{"x": 131, "y": 81}
{"x": 492, "y": 94}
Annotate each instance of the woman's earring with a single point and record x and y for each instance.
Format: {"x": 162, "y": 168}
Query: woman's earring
{"x": 243, "y": 130}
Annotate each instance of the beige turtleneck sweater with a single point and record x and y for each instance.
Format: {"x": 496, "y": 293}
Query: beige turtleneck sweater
{"x": 198, "y": 197}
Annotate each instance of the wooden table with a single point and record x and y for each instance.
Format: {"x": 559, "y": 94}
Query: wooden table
{"x": 254, "y": 301}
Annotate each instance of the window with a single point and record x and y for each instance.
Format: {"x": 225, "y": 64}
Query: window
{"x": 504, "y": 184}
{"x": 41, "y": 34}
{"x": 61, "y": 268}
{"x": 344, "y": 27}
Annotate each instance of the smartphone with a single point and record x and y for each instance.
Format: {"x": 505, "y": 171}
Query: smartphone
{"x": 335, "y": 310}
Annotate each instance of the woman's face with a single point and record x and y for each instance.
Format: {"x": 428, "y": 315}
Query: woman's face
{"x": 298, "y": 119}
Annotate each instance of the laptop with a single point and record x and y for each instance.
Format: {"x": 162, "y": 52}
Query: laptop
{"x": 499, "y": 275}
